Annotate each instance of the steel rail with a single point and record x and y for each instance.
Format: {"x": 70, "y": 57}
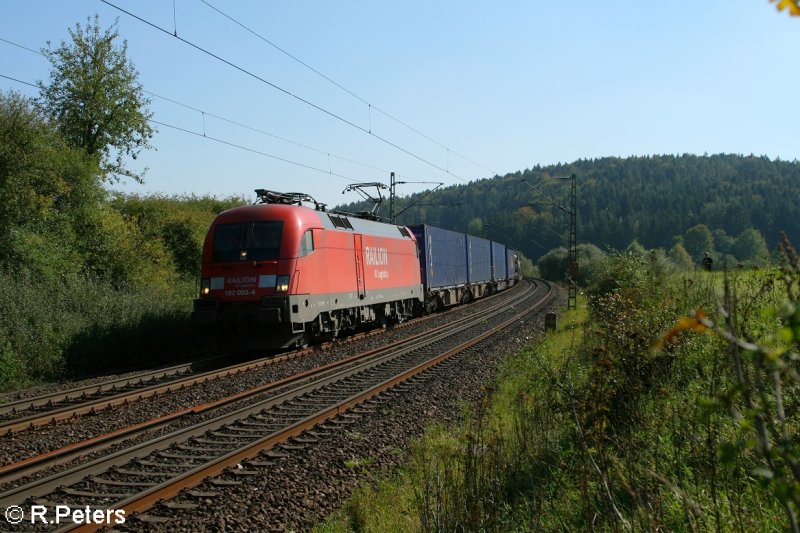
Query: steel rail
{"x": 105, "y": 402}
{"x": 123, "y": 398}
{"x": 172, "y": 487}
{"x": 78, "y": 393}
{"x": 195, "y": 475}
{"x": 50, "y": 483}
{"x": 76, "y": 474}
{"x": 26, "y": 467}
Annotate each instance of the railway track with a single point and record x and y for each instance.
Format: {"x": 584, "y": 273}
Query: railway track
{"x": 31, "y": 465}
{"x": 133, "y": 479}
{"x": 11, "y": 411}
{"x": 52, "y": 407}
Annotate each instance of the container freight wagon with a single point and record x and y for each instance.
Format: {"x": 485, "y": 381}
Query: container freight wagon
{"x": 479, "y": 266}
{"x": 499, "y": 273}
{"x": 443, "y": 262}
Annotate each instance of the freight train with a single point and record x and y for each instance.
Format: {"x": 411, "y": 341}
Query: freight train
{"x": 296, "y": 274}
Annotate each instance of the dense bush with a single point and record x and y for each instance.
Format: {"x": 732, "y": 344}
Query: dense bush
{"x": 88, "y": 282}
{"x": 77, "y": 325}
{"x": 180, "y": 223}
{"x": 553, "y": 264}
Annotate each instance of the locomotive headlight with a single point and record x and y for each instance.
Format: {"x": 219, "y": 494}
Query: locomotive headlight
{"x": 282, "y": 284}
{"x": 205, "y": 286}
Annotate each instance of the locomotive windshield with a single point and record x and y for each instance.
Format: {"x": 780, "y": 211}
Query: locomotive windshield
{"x": 242, "y": 241}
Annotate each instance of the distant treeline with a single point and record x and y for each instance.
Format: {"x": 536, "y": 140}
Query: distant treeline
{"x": 654, "y": 200}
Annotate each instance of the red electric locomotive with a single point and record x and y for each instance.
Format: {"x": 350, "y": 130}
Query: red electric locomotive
{"x": 297, "y": 273}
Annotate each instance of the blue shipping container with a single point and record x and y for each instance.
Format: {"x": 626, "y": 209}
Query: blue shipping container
{"x": 445, "y": 256}
{"x": 498, "y": 261}
{"x": 479, "y": 259}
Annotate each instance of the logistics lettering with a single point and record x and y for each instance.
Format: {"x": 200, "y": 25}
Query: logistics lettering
{"x": 376, "y": 256}
{"x": 242, "y": 280}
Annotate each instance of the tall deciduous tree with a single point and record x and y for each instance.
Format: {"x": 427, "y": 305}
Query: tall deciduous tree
{"x": 680, "y": 257}
{"x": 697, "y": 241}
{"x": 750, "y": 246}
{"x": 95, "y": 98}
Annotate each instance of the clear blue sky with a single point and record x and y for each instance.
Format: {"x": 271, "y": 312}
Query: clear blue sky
{"x": 507, "y": 84}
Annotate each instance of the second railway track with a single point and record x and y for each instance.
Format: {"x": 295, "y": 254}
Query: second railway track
{"x": 23, "y": 414}
{"x": 27, "y": 466}
{"x": 134, "y": 478}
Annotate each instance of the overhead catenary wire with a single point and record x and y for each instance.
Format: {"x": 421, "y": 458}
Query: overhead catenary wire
{"x": 205, "y": 113}
{"x": 268, "y": 134}
{"x": 329, "y": 171}
{"x": 370, "y": 105}
{"x": 284, "y": 91}
{"x": 21, "y": 46}
{"x": 18, "y": 81}
{"x": 253, "y": 150}
{"x": 224, "y": 119}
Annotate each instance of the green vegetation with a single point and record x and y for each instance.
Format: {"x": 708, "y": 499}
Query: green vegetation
{"x": 110, "y": 290}
{"x": 95, "y": 100}
{"x": 654, "y": 200}
{"x": 92, "y": 280}
{"x": 633, "y": 416}
{"x": 89, "y": 282}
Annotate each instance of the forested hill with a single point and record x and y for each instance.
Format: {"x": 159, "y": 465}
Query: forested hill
{"x": 653, "y": 199}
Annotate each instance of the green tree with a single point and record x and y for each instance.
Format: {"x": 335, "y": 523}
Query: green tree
{"x": 652, "y": 199}
{"x": 475, "y": 227}
{"x": 697, "y": 241}
{"x": 95, "y": 99}
{"x": 42, "y": 181}
{"x": 635, "y": 248}
{"x": 591, "y": 262}
{"x": 751, "y": 247}
{"x": 680, "y": 257}
{"x": 553, "y": 264}
{"x": 723, "y": 243}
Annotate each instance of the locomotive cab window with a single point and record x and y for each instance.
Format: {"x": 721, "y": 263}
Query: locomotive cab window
{"x": 242, "y": 241}
{"x": 306, "y": 244}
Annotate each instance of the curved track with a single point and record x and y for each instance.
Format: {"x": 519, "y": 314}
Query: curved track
{"x": 133, "y": 479}
{"x": 27, "y": 413}
{"x": 19, "y": 469}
